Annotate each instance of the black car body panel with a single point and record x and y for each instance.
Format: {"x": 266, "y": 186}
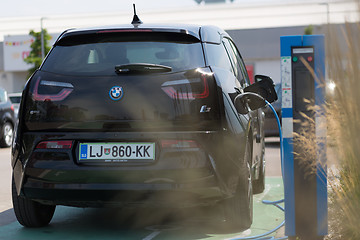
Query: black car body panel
{"x": 188, "y": 114}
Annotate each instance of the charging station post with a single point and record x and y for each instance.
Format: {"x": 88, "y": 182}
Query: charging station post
{"x": 305, "y": 188}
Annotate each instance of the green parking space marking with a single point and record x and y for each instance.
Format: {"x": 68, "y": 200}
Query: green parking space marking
{"x": 266, "y": 218}
{"x": 153, "y": 224}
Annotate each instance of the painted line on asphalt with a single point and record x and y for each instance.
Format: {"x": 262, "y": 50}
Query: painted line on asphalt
{"x": 152, "y": 235}
{"x": 245, "y": 233}
{"x": 157, "y": 229}
{"x": 264, "y": 194}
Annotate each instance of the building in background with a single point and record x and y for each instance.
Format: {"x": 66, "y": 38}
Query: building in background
{"x": 255, "y": 27}
{"x": 13, "y": 68}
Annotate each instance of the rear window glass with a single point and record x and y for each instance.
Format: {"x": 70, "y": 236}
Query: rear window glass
{"x": 99, "y": 56}
{"x": 15, "y": 99}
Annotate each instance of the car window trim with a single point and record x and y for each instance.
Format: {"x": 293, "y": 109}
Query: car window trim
{"x": 231, "y": 61}
{"x": 242, "y": 62}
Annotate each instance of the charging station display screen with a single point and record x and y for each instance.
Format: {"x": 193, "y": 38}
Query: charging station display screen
{"x": 303, "y": 81}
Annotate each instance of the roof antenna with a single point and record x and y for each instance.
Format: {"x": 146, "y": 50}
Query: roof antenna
{"x": 136, "y": 20}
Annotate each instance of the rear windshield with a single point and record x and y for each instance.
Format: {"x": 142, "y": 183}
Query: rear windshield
{"x": 93, "y": 55}
{"x": 15, "y": 99}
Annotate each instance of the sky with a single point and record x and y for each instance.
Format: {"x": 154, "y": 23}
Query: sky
{"x": 26, "y": 8}
{"x": 19, "y": 16}
{"x": 51, "y": 7}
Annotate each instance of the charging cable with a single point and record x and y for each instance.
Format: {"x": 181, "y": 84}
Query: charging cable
{"x": 265, "y": 236}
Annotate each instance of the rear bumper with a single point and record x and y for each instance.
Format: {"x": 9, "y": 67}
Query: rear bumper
{"x": 176, "y": 178}
{"x": 201, "y": 192}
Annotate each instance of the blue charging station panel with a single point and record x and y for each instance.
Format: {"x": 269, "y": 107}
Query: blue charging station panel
{"x": 305, "y": 197}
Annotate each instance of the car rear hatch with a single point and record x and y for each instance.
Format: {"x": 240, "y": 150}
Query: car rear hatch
{"x": 123, "y": 81}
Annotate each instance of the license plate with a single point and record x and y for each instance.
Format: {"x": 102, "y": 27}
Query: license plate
{"x": 116, "y": 152}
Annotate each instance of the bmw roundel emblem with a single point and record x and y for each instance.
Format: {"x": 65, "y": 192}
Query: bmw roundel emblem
{"x": 116, "y": 93}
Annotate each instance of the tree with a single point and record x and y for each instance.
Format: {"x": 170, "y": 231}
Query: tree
{"x": 35, "y": 53}
{"x": 309, "y": 30}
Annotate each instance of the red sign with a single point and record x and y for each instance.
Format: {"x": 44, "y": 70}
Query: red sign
{"x": 250, "y": 71}
{"x": 25, "y": 54}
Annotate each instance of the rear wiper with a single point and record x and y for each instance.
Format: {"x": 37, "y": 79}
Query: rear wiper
{"x": 141, "y": 68}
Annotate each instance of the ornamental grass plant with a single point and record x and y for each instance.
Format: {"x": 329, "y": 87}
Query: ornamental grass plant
{"x": 343, "y": 125}
{"x": 342, "y": 111}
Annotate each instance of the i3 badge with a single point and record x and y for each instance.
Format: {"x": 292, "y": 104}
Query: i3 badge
{"x": 116, "y": 93}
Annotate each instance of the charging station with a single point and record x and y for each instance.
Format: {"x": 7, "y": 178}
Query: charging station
{"x": 302, "y": 70}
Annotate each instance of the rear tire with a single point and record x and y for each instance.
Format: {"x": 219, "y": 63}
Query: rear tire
{"x": 239, "y": 209}
{"x": 30, "y": 213}
{"x": 7, "y": 134}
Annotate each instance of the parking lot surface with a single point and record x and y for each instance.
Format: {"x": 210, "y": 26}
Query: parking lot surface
{"x": 144, "y": 223}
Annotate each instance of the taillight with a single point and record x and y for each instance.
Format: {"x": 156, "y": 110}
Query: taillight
{"x": 170, "y": 143}
{"x": 66, "y": 89}
{"x": 190, "y": 89}
{"x": 12, "y": 107}
{"x": 55, "y": 145}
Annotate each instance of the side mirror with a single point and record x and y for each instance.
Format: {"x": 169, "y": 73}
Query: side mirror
{"x": 263, "y": 86}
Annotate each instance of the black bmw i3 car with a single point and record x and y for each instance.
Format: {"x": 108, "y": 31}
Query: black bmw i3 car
{"x": 148, "y": 114}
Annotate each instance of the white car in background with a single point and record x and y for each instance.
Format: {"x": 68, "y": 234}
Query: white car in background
{"x": 15, "y": 99}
